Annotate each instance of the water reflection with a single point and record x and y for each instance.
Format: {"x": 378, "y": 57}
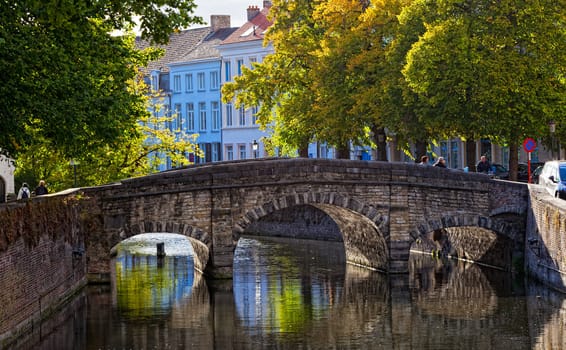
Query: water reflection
{"x": 291, "y": 294}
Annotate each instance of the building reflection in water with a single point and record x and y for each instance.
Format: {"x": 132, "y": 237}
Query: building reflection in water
{"x": 290, "y": 294}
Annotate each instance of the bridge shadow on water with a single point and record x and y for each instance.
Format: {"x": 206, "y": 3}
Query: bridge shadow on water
{"x": 289, "y": 293}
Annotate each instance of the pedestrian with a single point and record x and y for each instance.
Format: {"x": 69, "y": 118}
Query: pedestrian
{"x": 424, "y": 160}
{"x": 41, "y": 189}
{"x": 24, "y": 192}
{"x": 440, "y": 162}
{"x": 483, "y": 166}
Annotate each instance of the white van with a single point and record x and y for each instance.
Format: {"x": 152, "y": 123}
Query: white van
{"x": 553, "y": 178}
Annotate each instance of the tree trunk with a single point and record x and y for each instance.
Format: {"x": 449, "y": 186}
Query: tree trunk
{"x": 381, "y": 151}
{"x": 343, "y": 152}
{"x": 513, "y": 160}
{"x": 471, "y": 154}
{"x": 304, "y": 149}
{"x": 420, "y": 149}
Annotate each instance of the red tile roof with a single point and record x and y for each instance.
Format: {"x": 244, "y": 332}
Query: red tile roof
{"x": 254, "y": 29}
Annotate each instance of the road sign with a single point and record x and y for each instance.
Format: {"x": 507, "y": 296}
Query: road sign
{"x": 529, "y": 145}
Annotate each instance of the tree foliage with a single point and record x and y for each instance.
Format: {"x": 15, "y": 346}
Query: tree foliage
{"x": 66, "y": 76}
{"x": 69, "y": 88}
{"x": 490, "y": 69}
{"x": 422, "y": 69}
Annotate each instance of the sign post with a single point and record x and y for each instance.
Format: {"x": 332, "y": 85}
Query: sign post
{"x": 529, "y": 145}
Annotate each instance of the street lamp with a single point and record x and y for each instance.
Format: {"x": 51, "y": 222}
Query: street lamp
{"x": 255, "y": 146}
{"x": 74, "y": 164}
{"x": 552, "y": 127}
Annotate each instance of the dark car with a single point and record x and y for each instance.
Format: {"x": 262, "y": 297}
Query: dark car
{"x": 498, "y": 171}
{"x": 523, "y": 171}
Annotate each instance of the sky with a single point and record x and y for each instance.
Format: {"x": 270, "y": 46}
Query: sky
{"x": 235, "y": 8}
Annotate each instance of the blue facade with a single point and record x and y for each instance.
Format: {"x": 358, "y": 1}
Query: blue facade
{"x": 196, "y": 105}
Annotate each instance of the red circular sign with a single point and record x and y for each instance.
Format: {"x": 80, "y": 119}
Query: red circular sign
{"x": 529, "y": 145}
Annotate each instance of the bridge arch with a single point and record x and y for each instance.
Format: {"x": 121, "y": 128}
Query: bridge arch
{"x": 449, "y": 235}
{"x": 363, "y": 229}
{"x": 200, "y": 240}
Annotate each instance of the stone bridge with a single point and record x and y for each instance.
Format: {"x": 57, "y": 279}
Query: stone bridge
{"x": 380, "y": 210}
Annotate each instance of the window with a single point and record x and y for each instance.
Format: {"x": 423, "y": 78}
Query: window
{"x": 254, "y": 115}
{"x": 177, "y": 83}
{"x": 214, "y": 81}
{"x": 167, "y": 113}
{"x": 227, "y": 71}
{"x": 242, "y": 115}
{"x": 228, "y": 114}
{"x": 154, "y": 83}
{"x": 179, "y": 117}
{"x": 215, "y": 151}
{"x": 229, "y": 153}
{"x": 190, "y": 116}
{"x": 454, "y": 152}
{"x": 189, "y": 82}
{"x": 202, "y": 114}
{"x": 215, "y": 113}
{"x": 252, "y": 61}
{"x": 240, "y": 64}
{"x": 242, "y": 151}
{"x": 200, "y": 78}
{"x": 202, "y": 159}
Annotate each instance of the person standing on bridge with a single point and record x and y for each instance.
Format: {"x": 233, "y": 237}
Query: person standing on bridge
{"x": 41, "y": 189}
{"x": 483, "y": 166}
{"x": 440, "y": 162}
{"x": 424, "y": 160}
{"x": 24, "y": 192}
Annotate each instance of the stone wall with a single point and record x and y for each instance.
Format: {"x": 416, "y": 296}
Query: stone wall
{"x": 215, "y": 203}
{"x": 42, "y": 263}
{"x": 545, "y": 248}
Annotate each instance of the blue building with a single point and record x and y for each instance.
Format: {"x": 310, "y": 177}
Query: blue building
{"x": 185, "y": 83}
{"x": 195, "y": 92}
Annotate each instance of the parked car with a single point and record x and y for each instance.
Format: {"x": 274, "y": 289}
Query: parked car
{"x": 523, "y": 171}
{"x": 553, "y": 178}
{"x": 536, "y": 173}
{"x": 498, "y": 171}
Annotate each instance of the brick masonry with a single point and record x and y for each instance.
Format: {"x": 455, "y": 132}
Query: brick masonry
{"x": 38, "y": 270}
{"x": 379, "y": 208}
{"x": 545, "y": 248}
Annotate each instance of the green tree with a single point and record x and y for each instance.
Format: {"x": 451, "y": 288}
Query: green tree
{"x": 138, "y": 150}
{"x": 489, "y": 69}
{"x": 65, "y": 76}
{"x": 280, "y": 84}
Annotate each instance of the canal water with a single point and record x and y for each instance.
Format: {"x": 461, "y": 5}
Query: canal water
{"x": 300, "y": 294}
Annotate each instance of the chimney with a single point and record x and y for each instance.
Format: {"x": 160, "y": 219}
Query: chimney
{"x": 252, "y": 12}
{"x": 219, "y": 22}
{"x": 266, "y": 4}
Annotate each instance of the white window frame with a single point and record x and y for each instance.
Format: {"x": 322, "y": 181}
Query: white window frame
{"x": 189, "y": 82}
{"x": 202, "y": 115}
{"x": 229, "y": 152}
{"x": 201, "y": 81}
{"x": 214, "y": 81}
{"x": 190, "y": 116}
{"x": 215, "y": 114}
{"x": 229, "y": 115}
{"x": 242, "y": 115}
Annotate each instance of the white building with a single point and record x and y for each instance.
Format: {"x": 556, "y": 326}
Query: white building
{"x": 6, "y": 178}
{"x": 244, "y": 47}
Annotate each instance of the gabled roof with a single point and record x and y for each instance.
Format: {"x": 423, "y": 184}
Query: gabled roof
{"x": 253, "y": 29}
{"x": 180, "y": 44}
{"x": 207, "y": 47}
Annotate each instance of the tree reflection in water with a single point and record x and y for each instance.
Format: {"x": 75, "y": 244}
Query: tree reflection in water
{"x": 291, "y": 294}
